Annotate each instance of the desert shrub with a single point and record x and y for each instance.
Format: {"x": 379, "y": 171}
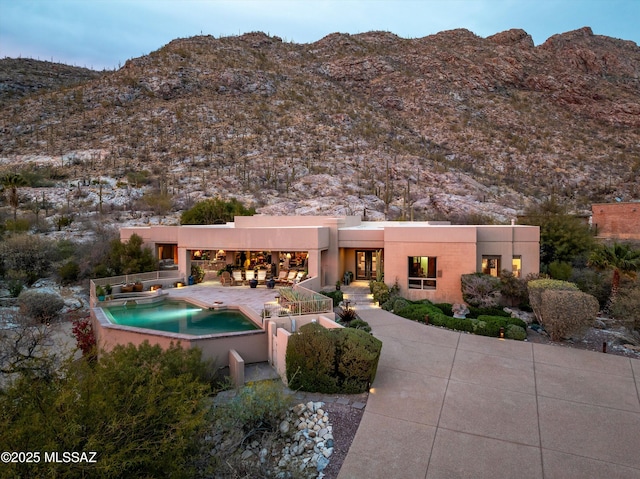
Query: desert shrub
{"x": 40, "y": 306}
{"x": 69, "y": 272}
{"x": 593, "y": 282}
{"x": 310, "y": 360}
{"x": 357, "y": 359}
{"x": 538, "y": 286}
{"x": 346, "y": 364}
{"x": 515, "y": 332}
{"x": 336, "y": 296}
{"x": 126, "y": 258}
{"x": 481, "y": 290}
{"x": 15, "y": 287}
{"x": 626, "y": 306}
{"x": 513, "y": 291}
{"x": 565, "y": 312}
{"x": 560, "y": 270}
{"x": 380, "y": 291}
{"x": 214, "y": 211}
{"x": 143, "y": 409}
{"x": 19, "y": 225}
{"x": 360, "y": 324}
{"x": 25, "y": 257}
{"x": 259, "y": 406}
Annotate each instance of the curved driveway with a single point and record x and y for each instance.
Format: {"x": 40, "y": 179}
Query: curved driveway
{"x": 453, "y": 405}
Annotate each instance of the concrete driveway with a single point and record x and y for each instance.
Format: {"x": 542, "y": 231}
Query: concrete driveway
{"x": 454, "y": 405}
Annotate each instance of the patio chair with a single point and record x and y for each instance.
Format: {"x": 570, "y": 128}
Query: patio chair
{"x": 249, "y": 274}
{"x": 291, "y": 277}
{"x": 282, "y": 277}
{"x": 262, "y": 276}
{"x": 299, "y": 277}
{"x": 237, "y": 277}
{"x": 226, "y": 279}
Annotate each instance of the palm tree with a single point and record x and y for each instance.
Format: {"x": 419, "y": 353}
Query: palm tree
{"x": 621, "y": 258}
{"x": 10, "y": 183}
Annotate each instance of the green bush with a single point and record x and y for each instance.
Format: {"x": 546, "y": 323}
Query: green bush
{"x": 25, "y": 257}
{"x": 475, "y": 312}
{"x": 214, "y": 211}
{"x": 560, "y": 270}
{"x": 331, "y": 361}
{"x": 141, "y": 408}
{"x": 513, "y": 290}
{"x": 336, "y": 296}
{"x": 400, "y": 304}
{"x": 565, "y": 312}
{"x": 446, "y": 308}
{"x": 15, "y": 287}
{"x": 380, "y": 291}
{"x": 516, "y": 332}
{"x": 310, "y": 360}
{"x": 40, "y": 306}
{"x": 357, "y": 357}
{"x": 69, "y": 272}
{"x": 359, "y": 324}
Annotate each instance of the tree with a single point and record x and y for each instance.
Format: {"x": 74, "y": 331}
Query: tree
{"x": 129, "y": 257}
{"x": 563, "y": 237}
{"x": 621, "y": 259}
{"x": 214, "y": 211}
{"x": 10, "y": 183}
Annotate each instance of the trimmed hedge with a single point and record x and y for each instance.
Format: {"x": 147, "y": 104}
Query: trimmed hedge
{"x": 331, "y": 361}
{"x": 538, "y": 286}
{"x": 566, "y": 313}
{"x": 484, "y": 325}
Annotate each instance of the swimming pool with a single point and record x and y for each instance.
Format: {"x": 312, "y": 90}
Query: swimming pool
{"x": 179, "y": 317}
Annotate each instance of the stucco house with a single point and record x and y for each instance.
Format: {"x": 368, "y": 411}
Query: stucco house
{"x": 426, "y": 259}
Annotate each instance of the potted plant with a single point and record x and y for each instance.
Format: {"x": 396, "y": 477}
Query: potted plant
{"x": 100, "y": 293}
{"x": 253, "y": 283}
{"x": 338, "y": 285}
{"x": 137, "y": 286}
{"x": 108, "y": 289}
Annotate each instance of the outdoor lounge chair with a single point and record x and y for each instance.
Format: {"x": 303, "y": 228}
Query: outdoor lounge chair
{"x": 262, "y": 276}
{"x": 282, "y": 277}
{"x": 237, "y": 277}
{"x": 291, "y": 277}
{"x": 249, "y": 274}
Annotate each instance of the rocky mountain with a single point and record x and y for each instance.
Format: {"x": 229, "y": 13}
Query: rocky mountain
{"x": 449, "y": 126}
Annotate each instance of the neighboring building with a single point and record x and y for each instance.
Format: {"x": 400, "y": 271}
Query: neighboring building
{"x": 426, "y": 259}
{"x": 616, "y": 220}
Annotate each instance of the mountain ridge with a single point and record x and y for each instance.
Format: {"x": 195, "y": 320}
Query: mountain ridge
{"x": 450, "y": 125}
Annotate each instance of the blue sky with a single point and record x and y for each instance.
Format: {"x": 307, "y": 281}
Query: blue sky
{"x": 105, "y": 33}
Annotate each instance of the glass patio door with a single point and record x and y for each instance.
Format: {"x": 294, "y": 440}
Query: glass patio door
{"x": 365, "y": 265}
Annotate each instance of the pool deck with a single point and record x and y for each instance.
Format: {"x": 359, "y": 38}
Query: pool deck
{"x": 210, "y": 291}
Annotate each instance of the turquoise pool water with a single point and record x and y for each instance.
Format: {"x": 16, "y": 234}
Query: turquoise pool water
{"x": 179, "y": 317}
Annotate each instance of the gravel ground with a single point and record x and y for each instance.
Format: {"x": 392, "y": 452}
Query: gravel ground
{"x": 345, "y": 421}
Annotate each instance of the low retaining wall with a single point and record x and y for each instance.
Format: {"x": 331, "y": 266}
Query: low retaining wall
{"x": 252, "y": 346}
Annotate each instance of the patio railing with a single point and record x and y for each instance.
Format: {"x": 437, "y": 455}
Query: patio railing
{"x": 297, "y": 301}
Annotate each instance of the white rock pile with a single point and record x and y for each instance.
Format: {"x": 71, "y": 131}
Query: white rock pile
{"x": 306, "y": 443}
